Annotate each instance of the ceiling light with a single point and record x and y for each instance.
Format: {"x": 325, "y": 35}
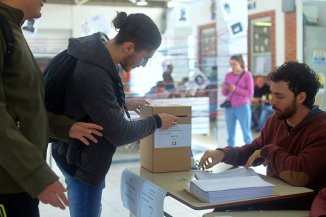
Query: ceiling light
{"x": 263, "y": 24}
{"x": 142, "y": 3}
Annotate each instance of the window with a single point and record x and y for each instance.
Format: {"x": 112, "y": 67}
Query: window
{"x": 261, "y": 43}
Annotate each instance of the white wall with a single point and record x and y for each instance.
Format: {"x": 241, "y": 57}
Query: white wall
{"x": 60, "y": 22}
{"x": 314, "y": 9}
{"x": 199, "y": 14}
{"x": 176, "y": 36}
{"x": 322, "y": 15}
{"x": 82, "y": 13}
{"x": 263, "y": 5}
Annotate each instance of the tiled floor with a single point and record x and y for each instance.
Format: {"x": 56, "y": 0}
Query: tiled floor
{"x": 129, "y": 157}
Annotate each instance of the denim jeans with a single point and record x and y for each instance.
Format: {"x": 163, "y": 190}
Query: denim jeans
{"x": 84, "y": 199}
{"x": 243, "y": 114}
{"x": 265, "y": 113}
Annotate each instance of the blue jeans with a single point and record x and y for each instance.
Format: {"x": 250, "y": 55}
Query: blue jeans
{"x": 243, "y": 114}
{"x": 84, "y": 200}
{"x": 265, "y": 113}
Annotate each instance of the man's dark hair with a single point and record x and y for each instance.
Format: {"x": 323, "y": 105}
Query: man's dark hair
{"x": 139, "y": 29}
{"x": 300, "y": 78}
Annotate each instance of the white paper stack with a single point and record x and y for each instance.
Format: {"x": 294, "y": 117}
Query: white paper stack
{"x": 241, "y": 185}
{"x": 237, "y": 172}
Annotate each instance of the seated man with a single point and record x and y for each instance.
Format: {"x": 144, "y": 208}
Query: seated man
{"x": 292, "y": 142}
{"x": 261, "y": 92}
{"x": 158, "y": 91}
{"x": 266, "y": 111}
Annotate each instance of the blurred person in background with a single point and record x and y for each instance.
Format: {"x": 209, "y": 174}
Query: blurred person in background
{"x": 238, "y": 87}
{"x": 261, "y": 108}
{"x": 168, "y": 79}
{"x": 158, "y": 91}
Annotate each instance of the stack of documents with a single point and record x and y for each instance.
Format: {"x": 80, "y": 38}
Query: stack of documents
{"x": 231, "y": 185}
{"x": 237, "y": 172}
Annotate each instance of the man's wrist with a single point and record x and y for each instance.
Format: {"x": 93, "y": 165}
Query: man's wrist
{"x": 158, "y": 121}
{"x": 224, "y": 153}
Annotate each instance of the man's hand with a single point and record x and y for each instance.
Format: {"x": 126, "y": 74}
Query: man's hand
{"x": 168, "y": 120}
{"x": 54, "y": 194}
{"x": 211, "y": 158}
{"x": 134, "y": 104}
{"x": 253, "y": 157}
{"x": 81, "y": 131}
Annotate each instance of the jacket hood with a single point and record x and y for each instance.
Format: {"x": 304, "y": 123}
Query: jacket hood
{"x": 314, "y": 114}
{"x": 92, "y": 50}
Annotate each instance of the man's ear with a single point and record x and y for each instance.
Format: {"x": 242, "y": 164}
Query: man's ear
{"x": 128, "y": 47}
{"x": 301, "y": 97}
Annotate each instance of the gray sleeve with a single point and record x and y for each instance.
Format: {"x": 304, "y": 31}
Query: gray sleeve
{"x": 95, "y": 92}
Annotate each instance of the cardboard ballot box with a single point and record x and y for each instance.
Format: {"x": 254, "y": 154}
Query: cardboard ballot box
{"x": 167, "y": 150}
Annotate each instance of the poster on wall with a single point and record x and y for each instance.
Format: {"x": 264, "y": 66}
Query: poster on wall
{"x": 231, "y": 10}
{"x": 235, "y": 14}
{"x": 197, "y": 81}
{"x": 182, "y": 15}
{"x": 98, "y": 23}
{"x": 319, "y": 56}
{"x": 251, "y": 4}
{"x": 236, "y": 29}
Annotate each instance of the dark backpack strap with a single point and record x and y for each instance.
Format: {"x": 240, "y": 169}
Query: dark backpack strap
{"x": 121, "y": 97}
{"x": 9, "y": 38}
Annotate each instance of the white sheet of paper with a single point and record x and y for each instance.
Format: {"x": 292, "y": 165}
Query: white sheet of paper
{"x": 238, "y": 172}
{"x": 151, "y": 200}
{"x": 178, "y": 135}
{"x": 141, "y": 197}
{"x": 130, "y": 189}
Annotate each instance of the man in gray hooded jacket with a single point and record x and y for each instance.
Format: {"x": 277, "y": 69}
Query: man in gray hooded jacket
{"x": 95, "y": 94}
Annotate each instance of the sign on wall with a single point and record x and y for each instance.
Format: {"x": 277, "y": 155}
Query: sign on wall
{"x": 319, "y": 56}
{"x": 98, "y": 23}
{"x": 182, "y": 15}
{"x": 235, "y": 17}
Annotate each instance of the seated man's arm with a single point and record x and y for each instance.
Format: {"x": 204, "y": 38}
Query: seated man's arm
{"x": 318, "y": 207}
{"x": 305, "y": 166}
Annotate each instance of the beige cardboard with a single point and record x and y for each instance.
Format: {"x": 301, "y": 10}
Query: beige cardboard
{"x": 165, "y": 159}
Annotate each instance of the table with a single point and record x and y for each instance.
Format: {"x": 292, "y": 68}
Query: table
{"x": 176, "y": 183}
{"x": 278, "y": 213}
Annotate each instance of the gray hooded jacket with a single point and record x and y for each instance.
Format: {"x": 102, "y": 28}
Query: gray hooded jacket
{"x": 91, "y": 97}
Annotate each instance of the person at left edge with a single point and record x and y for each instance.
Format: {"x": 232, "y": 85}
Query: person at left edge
{"x": 95, "y": 93}
{"x": 25, "y": 176}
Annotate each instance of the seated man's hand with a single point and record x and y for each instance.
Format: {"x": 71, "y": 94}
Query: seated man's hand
{"x": 211, "y": 158}
{"x": 256, "y": 156}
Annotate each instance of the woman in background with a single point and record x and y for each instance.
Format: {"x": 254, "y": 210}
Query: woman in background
{"x": 238, "y": 86}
